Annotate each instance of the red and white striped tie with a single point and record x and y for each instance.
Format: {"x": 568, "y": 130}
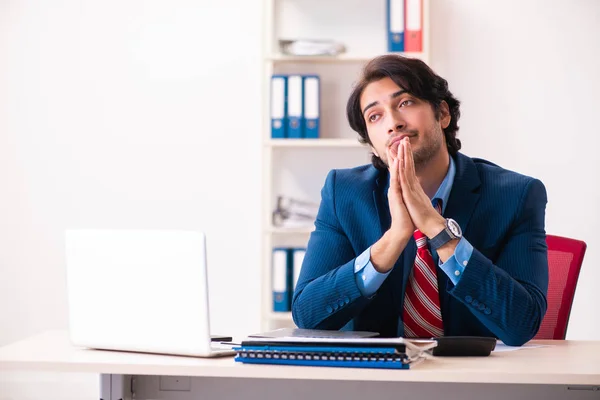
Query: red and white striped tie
{"x": 422, "y": 315}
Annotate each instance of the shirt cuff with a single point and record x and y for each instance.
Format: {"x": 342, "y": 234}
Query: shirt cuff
{"x": 455, "y": 265}
{"x": 368, "y": 279}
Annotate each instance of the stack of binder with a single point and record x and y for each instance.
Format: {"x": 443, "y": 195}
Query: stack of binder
{"x": 295, "y": 106}
{"x": 395, "y": 353}
{"x": 405, "y": 25}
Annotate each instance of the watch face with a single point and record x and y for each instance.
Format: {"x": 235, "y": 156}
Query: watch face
{"x": 454, "y": 228}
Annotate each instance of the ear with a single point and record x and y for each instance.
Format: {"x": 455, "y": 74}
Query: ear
{"x": 445, "y": 116}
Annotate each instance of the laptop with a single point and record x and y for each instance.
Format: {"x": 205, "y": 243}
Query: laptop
{"x": 140, "y": 290}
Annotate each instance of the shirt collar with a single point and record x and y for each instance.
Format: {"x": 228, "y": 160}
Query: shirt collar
{"x": 443, "y": 192}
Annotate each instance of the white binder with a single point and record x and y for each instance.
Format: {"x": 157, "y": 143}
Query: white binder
{"x": 295, "y": 107}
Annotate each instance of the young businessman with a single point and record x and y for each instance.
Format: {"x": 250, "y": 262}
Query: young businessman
{"x": 426, "y": 241}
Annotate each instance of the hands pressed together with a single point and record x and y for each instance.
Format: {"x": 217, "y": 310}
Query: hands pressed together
{"x": 410, "y": 207}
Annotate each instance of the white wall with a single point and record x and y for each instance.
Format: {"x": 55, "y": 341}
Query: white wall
{"x": 527, "y": 75}
{"x": 147, "y": 114}
{"x": 127, "y": 114}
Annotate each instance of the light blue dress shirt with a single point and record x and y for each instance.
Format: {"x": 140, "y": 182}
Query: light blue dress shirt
{"x": 369, "y": 280}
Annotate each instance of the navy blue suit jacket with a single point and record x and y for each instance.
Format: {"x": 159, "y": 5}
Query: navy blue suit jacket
{"x": 502, "y": 292}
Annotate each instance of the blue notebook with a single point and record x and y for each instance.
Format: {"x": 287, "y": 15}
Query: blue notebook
{"x": 355, "y": 353}
{"x": 350, "y": 357}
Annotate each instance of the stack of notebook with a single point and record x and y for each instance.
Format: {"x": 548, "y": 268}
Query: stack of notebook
{"x": 395, "y": 353}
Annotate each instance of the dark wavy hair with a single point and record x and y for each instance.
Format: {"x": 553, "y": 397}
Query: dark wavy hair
{"x": 414, "y": 76}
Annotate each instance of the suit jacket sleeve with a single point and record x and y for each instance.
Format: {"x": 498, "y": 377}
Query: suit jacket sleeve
{"x": 509, "y": 297}
{"x": 326, "y": 295}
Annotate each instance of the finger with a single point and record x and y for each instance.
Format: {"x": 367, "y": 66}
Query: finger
{"x": 410, "y": 162}
{"x": 400, "y": 155}
{"x": 409, "y": 165}
{"x": 390, "y": 156}
{"x": 395, "y": 182}
{"x": 393, "y": 172}
{"x": 402, "y": 168}
{"x": 390, "y": 160}
{"x": 411, "y": 176}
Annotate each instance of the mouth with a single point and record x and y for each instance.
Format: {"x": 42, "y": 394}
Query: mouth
{"x": 394, "y": 143}
{"x": 396, "y": 139}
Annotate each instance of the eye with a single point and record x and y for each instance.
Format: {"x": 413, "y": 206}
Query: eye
{"x": 373, "y": 117}
{"x": 406, "y": 103}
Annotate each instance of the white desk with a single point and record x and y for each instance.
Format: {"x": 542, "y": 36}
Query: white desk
{"x": 569, "y": 369}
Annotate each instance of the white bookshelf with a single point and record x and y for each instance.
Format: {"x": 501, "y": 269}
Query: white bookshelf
{"x": 298, "y": 167}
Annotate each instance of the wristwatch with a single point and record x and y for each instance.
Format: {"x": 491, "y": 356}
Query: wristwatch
{"x": 451, "y": 231}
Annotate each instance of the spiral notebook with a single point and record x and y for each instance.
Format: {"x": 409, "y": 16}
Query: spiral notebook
{"x": 395, "y": 353}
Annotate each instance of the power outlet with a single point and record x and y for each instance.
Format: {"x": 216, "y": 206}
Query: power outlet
{"x": 175, "y": 384}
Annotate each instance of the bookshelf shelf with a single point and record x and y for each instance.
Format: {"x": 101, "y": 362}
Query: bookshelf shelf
{"x": 290, "y": 231}
{"x": 281, "y": 316}
{"x": 342, "y": 58}
{"x": 353, "y": 143}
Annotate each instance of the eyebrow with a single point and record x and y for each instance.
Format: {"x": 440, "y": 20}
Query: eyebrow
{"x": 393, "y": 96}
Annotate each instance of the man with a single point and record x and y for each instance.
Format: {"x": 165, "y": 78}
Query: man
{"x": 426, "y": 241}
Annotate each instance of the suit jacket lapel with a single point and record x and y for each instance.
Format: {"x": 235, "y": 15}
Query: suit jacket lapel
{"x": 409, "y": 254}
{"x": 461, "y": 204}
{"x": 465, "y": 193}
{"x": 383, "y": 220}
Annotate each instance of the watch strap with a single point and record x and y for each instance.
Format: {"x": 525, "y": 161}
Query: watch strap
{"x": 440, "y": 239}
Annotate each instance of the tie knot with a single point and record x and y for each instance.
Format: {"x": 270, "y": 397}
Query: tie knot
{"x": 420, "y": 238}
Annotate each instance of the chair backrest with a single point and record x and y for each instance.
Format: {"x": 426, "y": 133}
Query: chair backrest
{"x": 565, "y": 256}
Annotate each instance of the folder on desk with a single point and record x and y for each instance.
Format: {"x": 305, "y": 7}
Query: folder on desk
{"x": 395, "y": 25}
{"x": 295, "y": 106}
{"x": 395, "y": 353}
{"x": 312, "y": 92}
{"x": 278, "y": 106}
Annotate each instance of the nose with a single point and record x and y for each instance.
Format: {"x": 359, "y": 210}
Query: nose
{"x": 397, "y": 124}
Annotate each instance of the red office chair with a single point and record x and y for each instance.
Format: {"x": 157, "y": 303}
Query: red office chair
{"x": 564, "y": 263}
